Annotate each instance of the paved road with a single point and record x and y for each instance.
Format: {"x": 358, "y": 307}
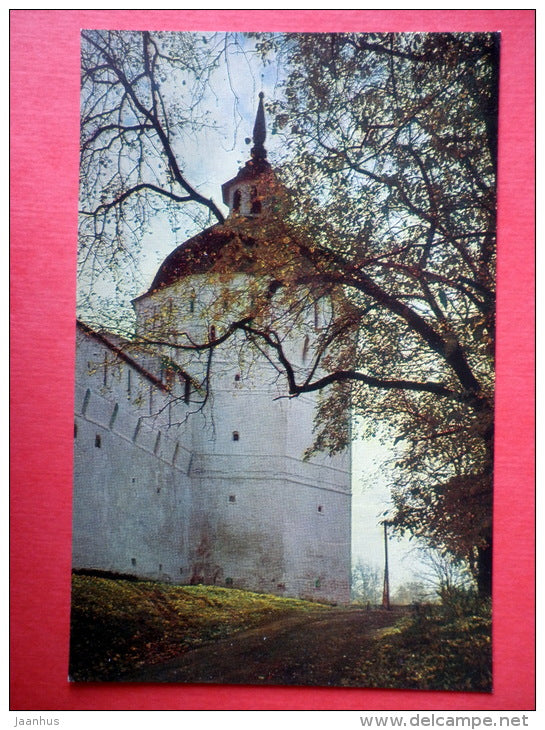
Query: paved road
{"x": 315, "y": 649}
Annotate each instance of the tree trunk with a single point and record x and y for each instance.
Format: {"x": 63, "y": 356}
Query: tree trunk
{"x": 484, "y": 567}
{"x": 484, "y": 554}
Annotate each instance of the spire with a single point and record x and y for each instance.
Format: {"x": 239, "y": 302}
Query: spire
{"x": 258, "y": 151}
{"x": 251, "y": 188}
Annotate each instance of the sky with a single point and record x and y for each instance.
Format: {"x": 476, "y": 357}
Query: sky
{"x": 370, "y": 499}
{"x": 214, "y": 159}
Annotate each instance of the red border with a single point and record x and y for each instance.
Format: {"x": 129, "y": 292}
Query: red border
{"x": 44, "y": 128}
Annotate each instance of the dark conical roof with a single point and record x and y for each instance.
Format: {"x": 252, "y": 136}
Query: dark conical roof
{"x": 197, "y": 255}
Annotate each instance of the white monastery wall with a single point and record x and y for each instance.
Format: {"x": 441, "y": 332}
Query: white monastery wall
{"x": 132, "y": 494}
{"x": 188, "y": 503}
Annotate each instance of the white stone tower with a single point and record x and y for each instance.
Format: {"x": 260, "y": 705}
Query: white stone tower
{"x": 256, "y": 515}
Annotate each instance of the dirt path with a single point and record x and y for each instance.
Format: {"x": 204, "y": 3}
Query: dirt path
{"x": 316, "y": 649}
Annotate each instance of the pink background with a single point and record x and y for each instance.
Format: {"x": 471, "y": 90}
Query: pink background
{"x": 44, "y": 178}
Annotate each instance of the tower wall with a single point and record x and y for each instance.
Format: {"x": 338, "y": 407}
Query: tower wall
{"x": 264, "y": 518}
{"x": 270, "y": 532}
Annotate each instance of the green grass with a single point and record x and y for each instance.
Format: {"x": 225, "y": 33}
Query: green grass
{"x": 118, "y": 625}
{"x": 443, "y": 647}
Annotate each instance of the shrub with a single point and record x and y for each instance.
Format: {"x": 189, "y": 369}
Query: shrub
{"x": 444, "y": 647}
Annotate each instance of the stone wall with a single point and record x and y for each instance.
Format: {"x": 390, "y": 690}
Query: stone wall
{"x": 220, "y": 496}
{"x": 132, "y": 492}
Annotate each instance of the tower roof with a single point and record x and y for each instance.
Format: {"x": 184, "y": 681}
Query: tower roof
{"x": 203, "y": 252}
{"x": 198, "y": 255}
{"x": 257, "y": 164}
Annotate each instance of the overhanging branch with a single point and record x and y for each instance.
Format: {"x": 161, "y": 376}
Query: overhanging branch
{"x": 136, "y": 189}
{"x": 344, "y": 375}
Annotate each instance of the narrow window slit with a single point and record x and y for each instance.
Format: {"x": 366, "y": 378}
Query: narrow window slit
{"x": 114, "y": 415}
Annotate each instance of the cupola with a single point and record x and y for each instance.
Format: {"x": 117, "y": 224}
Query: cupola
{"x": 250, "y": 193}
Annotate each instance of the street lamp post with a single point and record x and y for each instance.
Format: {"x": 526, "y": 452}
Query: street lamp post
{"x": 386, "y": 588}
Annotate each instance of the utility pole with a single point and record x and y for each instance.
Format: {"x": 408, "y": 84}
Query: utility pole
{"x": 386, "y": 589}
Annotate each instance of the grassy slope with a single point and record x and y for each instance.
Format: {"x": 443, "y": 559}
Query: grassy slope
{"x": 118, "y": 625}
